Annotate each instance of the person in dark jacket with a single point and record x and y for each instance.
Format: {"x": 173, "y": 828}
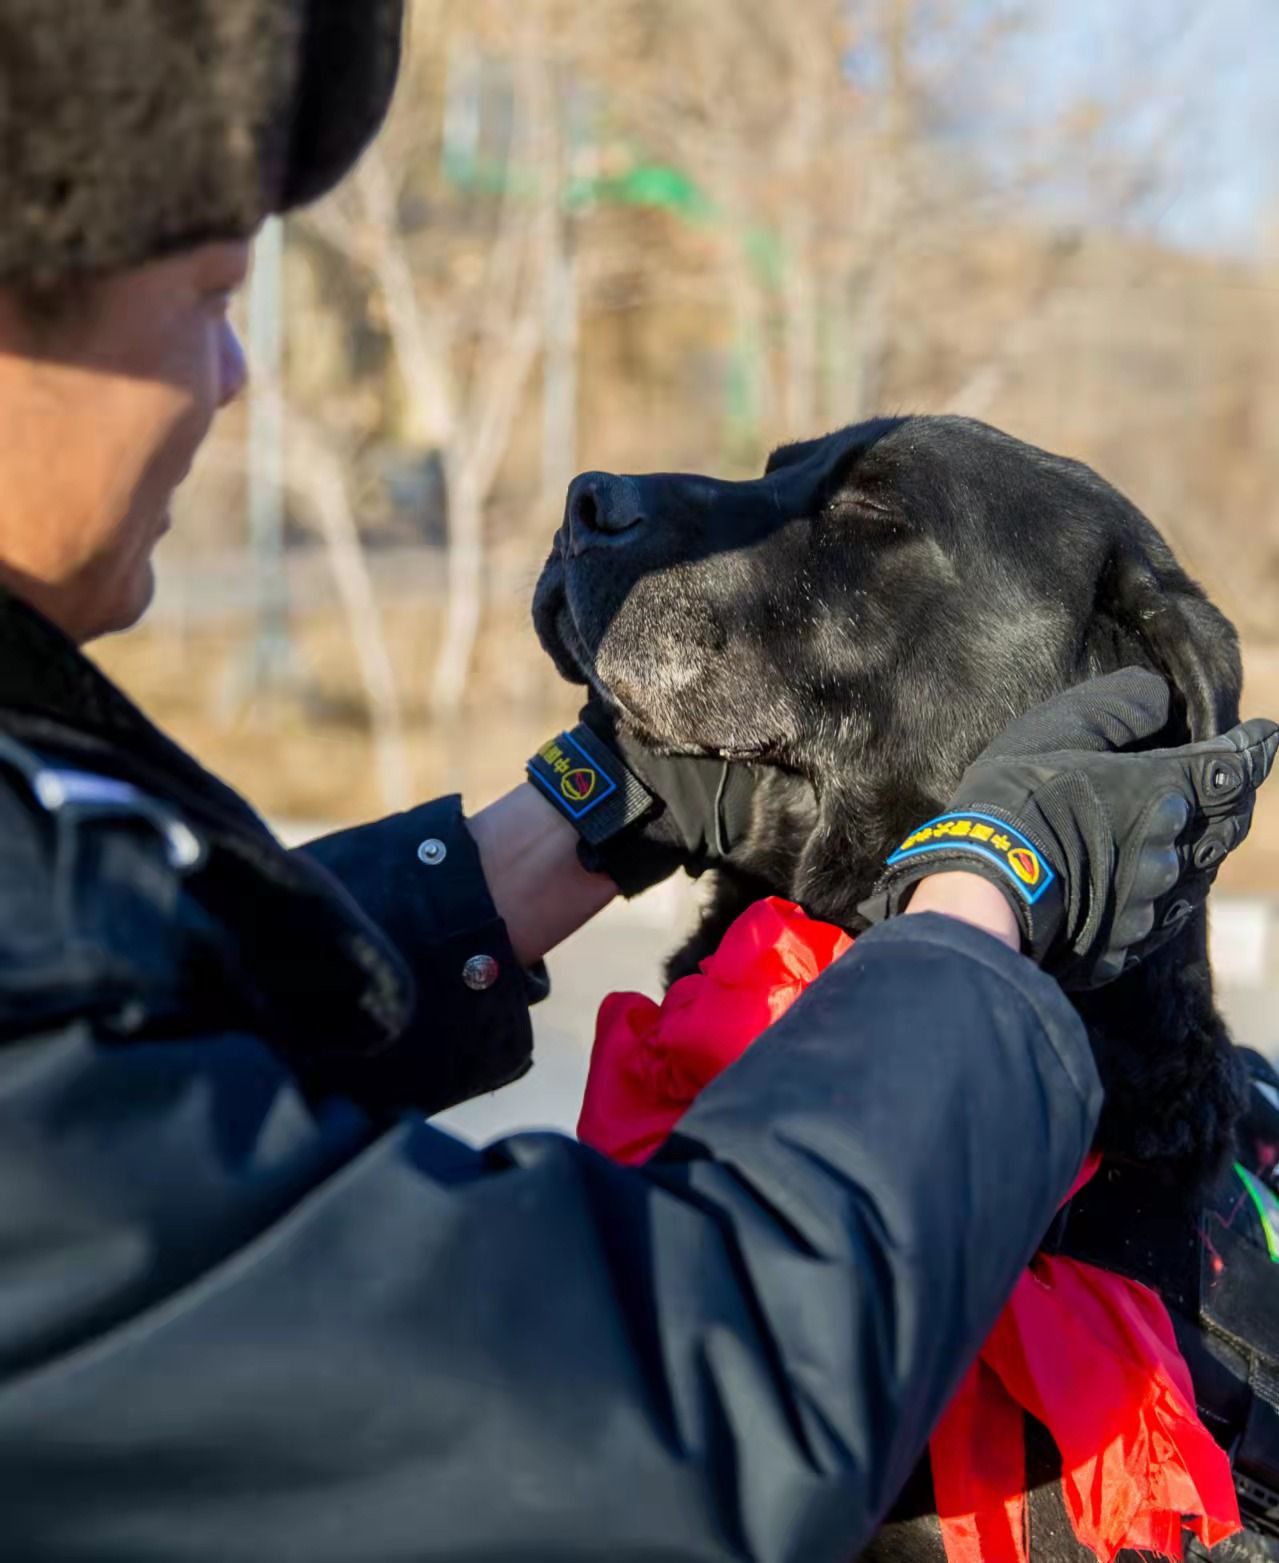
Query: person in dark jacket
{"x": 252, "y": 1305}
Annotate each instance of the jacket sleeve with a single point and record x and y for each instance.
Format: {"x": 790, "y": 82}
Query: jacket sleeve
{"x": 418, "y": 876}
{"x": 233, "y": 1328}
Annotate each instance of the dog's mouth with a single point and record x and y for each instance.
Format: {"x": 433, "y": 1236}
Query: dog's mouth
{"x": 560, "y": 636}
{"x": 576, "y": 662}
{"x": 555, "y": 626}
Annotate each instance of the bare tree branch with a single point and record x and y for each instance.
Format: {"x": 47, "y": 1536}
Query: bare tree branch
{"x": 318, "y": 476}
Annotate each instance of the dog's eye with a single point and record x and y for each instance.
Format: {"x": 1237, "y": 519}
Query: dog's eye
{"x": 849, "y": 505}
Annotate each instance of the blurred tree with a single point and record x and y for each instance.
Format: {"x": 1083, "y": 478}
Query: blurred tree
{"x": 651, "y": 232}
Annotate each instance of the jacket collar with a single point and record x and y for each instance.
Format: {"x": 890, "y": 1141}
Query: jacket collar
{"x": 314, "y": 966}
{"x": 50, "y": 689}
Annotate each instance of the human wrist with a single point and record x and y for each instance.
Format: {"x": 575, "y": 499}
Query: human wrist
{"x": 972, "y": 899}
{"x": 529, "y": 855}
{"x": 625, "y": 830}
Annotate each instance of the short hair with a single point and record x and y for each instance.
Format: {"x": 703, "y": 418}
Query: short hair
{"x": 47, "y": 305}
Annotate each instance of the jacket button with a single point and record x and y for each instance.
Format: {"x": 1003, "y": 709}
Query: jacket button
{"x": 480, "y": 973}
{"x": 432, "y": 852}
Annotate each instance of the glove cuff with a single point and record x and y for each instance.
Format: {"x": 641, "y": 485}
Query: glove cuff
{"x": 980, "y": 841}
{"x": 587, "y": 781}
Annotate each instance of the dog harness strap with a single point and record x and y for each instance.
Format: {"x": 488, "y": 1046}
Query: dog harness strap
{"x": 590, "y": 785}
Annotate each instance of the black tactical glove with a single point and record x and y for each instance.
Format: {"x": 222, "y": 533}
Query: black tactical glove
{"x": 1103, "y": 854}
{"x": 642, "y": 815}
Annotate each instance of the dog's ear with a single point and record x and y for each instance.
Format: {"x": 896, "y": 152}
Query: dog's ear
{"x": 1164, "y": 1051}
{"x": 1161, "y": 613}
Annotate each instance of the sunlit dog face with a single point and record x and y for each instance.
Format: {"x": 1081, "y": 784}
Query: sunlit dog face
{"x": 861, "y": 621}
{"x": 741, "y": 618}
{"x": 911, "y": 582}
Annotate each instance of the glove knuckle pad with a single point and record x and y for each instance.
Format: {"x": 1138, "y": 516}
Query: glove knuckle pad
{"x": 1218, "y": 780}
{"x": 1169, "y": 817}
{"x": 1165, "y": 871}
{"x": 1219, "y": 840}
{"x": 1134, "y": 925}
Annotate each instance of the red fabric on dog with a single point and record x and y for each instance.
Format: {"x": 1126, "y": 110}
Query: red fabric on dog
{"x": 1094, "y": 1358}
{"x": 1089, "y": 1354}
{"x": 649, "y": 1062}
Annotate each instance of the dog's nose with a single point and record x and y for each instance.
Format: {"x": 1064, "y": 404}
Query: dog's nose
{"x": 601, "y": 506}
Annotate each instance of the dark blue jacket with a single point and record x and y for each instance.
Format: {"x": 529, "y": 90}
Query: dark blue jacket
{"x": 254, "y": 1307}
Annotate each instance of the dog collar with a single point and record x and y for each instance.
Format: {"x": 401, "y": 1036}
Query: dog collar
{"x": 590, "y": 785}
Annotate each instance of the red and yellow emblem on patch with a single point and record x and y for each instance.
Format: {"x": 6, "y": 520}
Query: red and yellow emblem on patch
{"x": 573, "y": 778}
{"x": 577, "y": 786}
{"x": 1025, "y": 864}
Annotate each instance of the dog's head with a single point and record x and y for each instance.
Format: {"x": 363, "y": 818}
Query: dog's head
{"x": 861, "y": 621}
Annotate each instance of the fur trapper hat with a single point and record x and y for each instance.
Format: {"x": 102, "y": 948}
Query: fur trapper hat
{"x": 132, "y": 128}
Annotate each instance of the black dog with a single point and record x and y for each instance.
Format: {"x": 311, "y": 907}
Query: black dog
{"x": 861, "y": 621}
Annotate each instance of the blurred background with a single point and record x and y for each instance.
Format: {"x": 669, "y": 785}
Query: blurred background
{"x": 638, "y": 234}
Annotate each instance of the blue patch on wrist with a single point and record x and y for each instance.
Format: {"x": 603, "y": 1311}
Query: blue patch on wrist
{"x": 575, "y": 780}
{"x": 981, "y": 835}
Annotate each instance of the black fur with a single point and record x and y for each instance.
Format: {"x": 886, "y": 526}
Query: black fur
{"x": 861, "y": 621}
